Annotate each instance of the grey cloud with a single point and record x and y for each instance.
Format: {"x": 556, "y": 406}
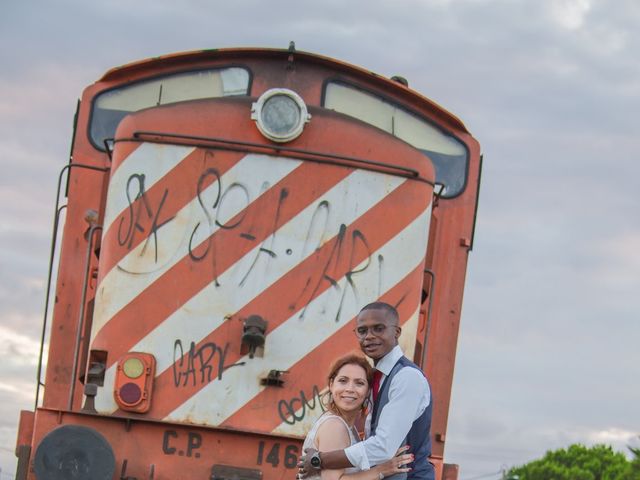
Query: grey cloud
{"x": 546, "y": 343}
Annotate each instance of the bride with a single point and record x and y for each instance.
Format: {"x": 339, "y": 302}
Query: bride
{"x": 349, "y": 384}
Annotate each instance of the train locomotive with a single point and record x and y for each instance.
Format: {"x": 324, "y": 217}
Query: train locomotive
{"x": 227, "y": 214}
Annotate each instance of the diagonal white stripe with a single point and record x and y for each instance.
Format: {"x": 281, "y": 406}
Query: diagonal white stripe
{"x": 153, "y": 161}
{"x": 250, "y": 276}
{"x": 139, "y": 268}
{"x": 290, "y": 342}
{"x": 206, "y": 310}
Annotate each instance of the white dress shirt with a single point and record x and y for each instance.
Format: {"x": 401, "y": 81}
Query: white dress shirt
{"x": 409, "y": 395}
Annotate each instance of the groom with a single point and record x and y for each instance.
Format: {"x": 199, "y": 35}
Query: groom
{"x": 402, "y": 404}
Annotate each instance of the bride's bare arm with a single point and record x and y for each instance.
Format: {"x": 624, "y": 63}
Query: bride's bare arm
{"x": 332, "y": 435}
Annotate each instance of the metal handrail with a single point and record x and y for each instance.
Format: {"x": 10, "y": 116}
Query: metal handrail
{"x": 428, "y": 323}
{"x": 56, "y": 220}
{"x": 322, "y": 157}
{"x": 83, "y": 299}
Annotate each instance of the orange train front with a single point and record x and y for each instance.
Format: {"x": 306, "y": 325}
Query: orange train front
{"x": 230, "y": 213}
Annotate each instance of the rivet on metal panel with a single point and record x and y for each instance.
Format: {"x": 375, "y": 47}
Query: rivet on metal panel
{"x": 91, "y": 217}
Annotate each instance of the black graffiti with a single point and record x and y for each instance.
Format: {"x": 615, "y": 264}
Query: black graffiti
{"x": 268, "y": 246}
{"x": 339, "y": 264}
{"x": 214, "y": 211}
{"x": 288, "y": 409}
{"x": 356, "y": 237}
{"x": 213, "y": 214}
{"x": 210, "y": 172}
{"x": 317, "y": 228}
{"x": 199, "y": 360}
{"x": 133, "y": 220}
{"x": 332, "y": 270}
{"x": 234, "y": 187}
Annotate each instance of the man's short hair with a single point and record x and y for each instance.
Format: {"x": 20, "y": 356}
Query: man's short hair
{"x": 391, "y": 311}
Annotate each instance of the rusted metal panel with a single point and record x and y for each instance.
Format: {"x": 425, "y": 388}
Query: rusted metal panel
{"x": 196, "y": 240}
{"x": 190, "y": 250}
{"x": 175, "y": 451}
{"x": 24, "y": 442}
{"x": 450, "y": 471}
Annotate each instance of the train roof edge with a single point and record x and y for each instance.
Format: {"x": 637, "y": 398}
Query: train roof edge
{"x": 178, "y": 58}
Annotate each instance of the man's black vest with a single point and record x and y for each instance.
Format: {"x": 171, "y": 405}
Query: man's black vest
{"x": 418, "y": 438}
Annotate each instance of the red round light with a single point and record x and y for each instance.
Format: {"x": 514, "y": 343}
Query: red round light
{"x": 130, "y": 393}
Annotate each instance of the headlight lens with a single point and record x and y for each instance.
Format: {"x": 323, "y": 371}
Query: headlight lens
{"x": 130, "y": 394}
{"x": 280, "y": 114}
{"x": 133, "y": 367}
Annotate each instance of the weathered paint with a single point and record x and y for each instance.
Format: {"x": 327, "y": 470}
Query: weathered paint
{"x": 329, "y": 255}
{"x": 127, "y": 318}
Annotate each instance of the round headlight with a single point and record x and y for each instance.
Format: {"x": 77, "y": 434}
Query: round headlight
{"x": 280, "y": 114}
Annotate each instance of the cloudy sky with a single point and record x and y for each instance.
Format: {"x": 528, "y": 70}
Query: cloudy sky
{"x": 549, "y": 344}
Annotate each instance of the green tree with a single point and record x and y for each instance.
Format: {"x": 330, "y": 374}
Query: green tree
{"x": 578, "y": 462}
{"x": 633, "y": 471}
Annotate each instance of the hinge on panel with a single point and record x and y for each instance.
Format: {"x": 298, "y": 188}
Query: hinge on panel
{"x": 273, "y": 378}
